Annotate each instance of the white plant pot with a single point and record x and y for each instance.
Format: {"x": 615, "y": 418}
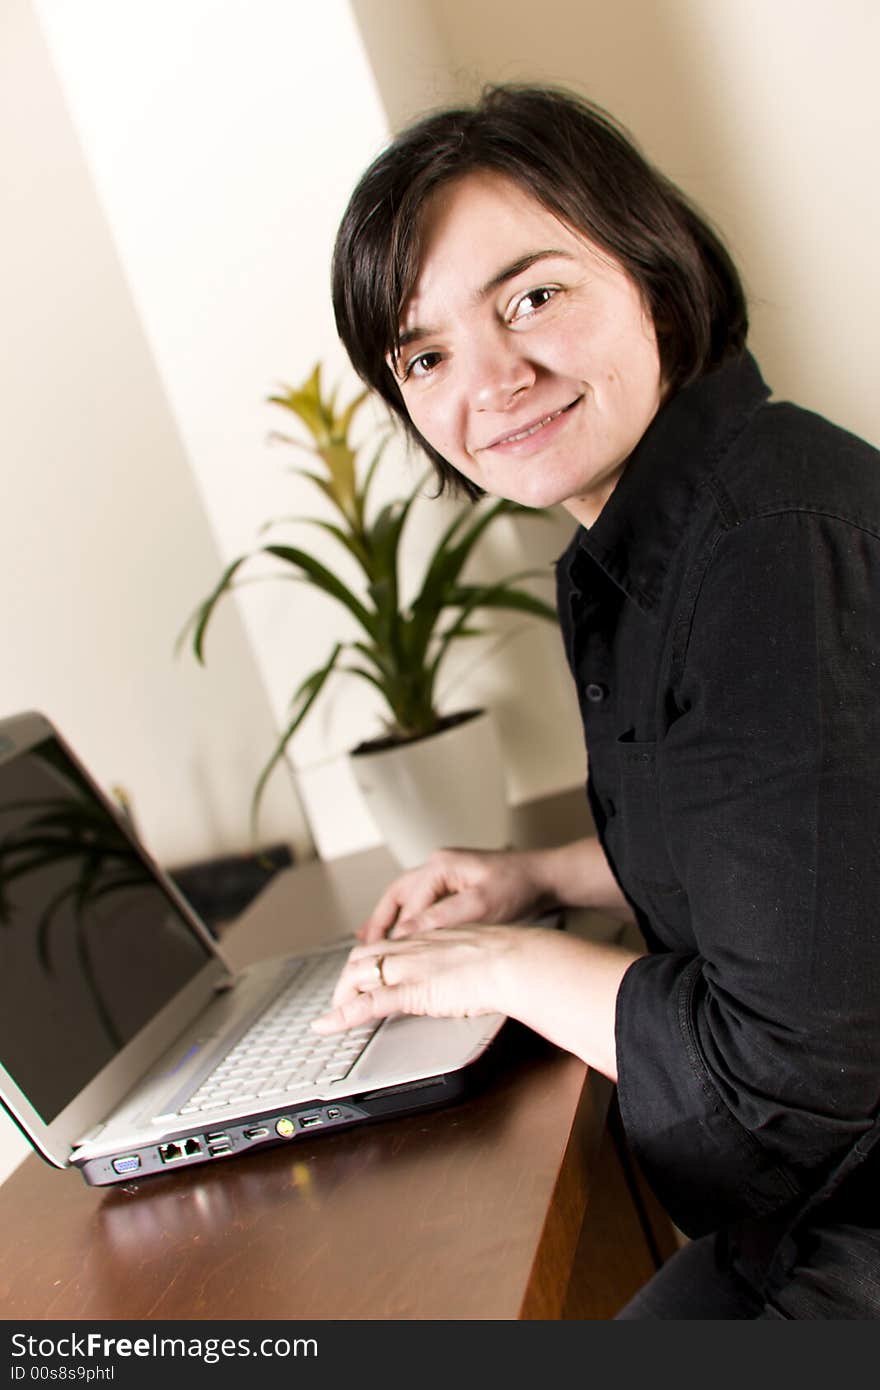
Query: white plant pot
{"x": 446, "y": 789}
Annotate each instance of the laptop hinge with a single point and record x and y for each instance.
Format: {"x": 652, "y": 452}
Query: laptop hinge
{"x": 92, "y": 1135}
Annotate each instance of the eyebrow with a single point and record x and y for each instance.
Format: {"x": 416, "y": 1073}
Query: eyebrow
{"x": 509, "y": 272}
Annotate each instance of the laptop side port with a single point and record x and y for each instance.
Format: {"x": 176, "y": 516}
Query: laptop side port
{"x": 129, "y": 1164}
{"x": 256, "y": 1132}
{"x": 310, "y": 1121}
{"x": 179, "y": 1149}
{"x": 218, "y": 1142}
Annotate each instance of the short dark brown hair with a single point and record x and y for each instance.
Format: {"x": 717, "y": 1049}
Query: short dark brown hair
{"x": 575, "y": 160}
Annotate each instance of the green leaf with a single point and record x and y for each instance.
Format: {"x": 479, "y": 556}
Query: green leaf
{"x": 363, "y": 492}
{"x": 378, "y": 657}
{"x": 305, "y": 402}
{"x": 277, "y": 437}
{"x": 367, "y": 676}
{"x": 342, "y": 423}
{"x": 329, "y": 429}
{"x": 383, "y": 541}
{"x": 305, "y": 696}
{"x": 383, "y": 538}
{"x": 447, "y": 562}
{"x": 501, "y": 595}
{"x": 326, "y": 486}
{"x": 339, "y": 459}
{"x": 352, "y": 542}
{"x": 200, "y": 619}
{"x": 322, "y": 578}
{"x": 464, "y": 632}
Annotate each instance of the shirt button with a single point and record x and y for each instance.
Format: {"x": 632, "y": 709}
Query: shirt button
{"x": 596, "y": 693}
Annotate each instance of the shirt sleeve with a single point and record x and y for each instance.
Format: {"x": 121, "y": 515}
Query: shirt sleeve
{"x": 748, "y": 1068}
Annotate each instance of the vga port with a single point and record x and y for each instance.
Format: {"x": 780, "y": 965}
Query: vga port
{"x": 129, "y": 1164}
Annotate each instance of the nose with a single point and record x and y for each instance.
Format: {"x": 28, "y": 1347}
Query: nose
{"x": 498, "y": 372}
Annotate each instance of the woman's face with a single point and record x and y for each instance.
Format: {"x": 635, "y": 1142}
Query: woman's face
{"x": 527, "y": 358}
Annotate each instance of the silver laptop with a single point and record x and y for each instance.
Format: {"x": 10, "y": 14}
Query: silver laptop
{"x": 127, "y": 1046}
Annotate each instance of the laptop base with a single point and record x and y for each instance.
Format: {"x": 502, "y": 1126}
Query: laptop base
{"x": 265, "y": 1129}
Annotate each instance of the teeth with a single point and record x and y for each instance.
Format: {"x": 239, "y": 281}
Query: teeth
{"x": 533, "y": 429}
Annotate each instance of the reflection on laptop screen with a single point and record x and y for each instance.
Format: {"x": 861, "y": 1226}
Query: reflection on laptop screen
{"x": 90, "y": 946}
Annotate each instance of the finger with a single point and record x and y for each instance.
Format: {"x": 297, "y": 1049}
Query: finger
{"x": 372, "y": 968}
{"x": 385, "y": 913}
{"x": 358, "y": 1010}
{"x": 408, "y": 897}
{"x": 360, "y": 974}
{"x": 422, "y": 944}
{"x": 458, "y": 910}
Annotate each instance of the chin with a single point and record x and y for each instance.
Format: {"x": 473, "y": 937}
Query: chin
{"x": 549, "y": 491}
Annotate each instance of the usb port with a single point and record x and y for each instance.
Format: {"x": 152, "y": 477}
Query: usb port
{"x": 215, "y": 1150}
{"x": 309, "y": 1121}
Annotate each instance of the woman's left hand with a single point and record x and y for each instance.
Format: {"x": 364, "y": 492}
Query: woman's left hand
{"x": 451, "y": 972}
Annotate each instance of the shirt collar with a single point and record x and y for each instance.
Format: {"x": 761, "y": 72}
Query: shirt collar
{"x": 645, "y": 518}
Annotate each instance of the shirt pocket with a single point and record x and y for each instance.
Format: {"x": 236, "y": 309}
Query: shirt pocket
{"x": 641, "y": 839}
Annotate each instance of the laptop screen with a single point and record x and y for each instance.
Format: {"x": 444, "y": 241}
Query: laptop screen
{"x": 91, "y": 947}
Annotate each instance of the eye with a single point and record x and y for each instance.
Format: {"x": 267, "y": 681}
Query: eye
{"x": 530, "y": 302}
{"x": 420, "y": 366}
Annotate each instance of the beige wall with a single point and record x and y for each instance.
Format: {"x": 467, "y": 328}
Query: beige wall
{"x": 409, "y": 54}
{"x": 102, "y": 532}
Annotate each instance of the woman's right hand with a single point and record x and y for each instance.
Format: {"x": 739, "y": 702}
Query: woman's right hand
{"x": 455, "y": 887}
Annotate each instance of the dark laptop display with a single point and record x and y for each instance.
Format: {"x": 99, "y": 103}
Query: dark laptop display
{"x": 91, "y": 946}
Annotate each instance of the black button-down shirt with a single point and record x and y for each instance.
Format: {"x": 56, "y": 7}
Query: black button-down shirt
{"x": 722, "y": 623}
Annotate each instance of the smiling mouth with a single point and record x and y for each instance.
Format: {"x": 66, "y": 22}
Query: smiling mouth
{"x": 537, "y": 425}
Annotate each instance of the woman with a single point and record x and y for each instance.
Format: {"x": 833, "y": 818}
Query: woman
{"x": 554, "y": 324}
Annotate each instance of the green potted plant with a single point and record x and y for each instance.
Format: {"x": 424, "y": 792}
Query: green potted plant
{"x": 401, "y": 648}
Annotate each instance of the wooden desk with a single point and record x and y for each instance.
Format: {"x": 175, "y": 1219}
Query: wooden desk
{"x": 468, "y": 1212}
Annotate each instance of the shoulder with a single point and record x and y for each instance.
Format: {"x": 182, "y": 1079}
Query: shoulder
{"x": 792, "y": 460}
{"x": 789, "y": 543}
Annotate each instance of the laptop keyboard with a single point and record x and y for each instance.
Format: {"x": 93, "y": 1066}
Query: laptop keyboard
{"x": 280, "y": 1052}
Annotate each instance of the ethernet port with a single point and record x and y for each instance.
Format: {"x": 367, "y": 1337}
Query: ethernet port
{"x": 171, "y": 1153}
{"x": 192, "y": 1146}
